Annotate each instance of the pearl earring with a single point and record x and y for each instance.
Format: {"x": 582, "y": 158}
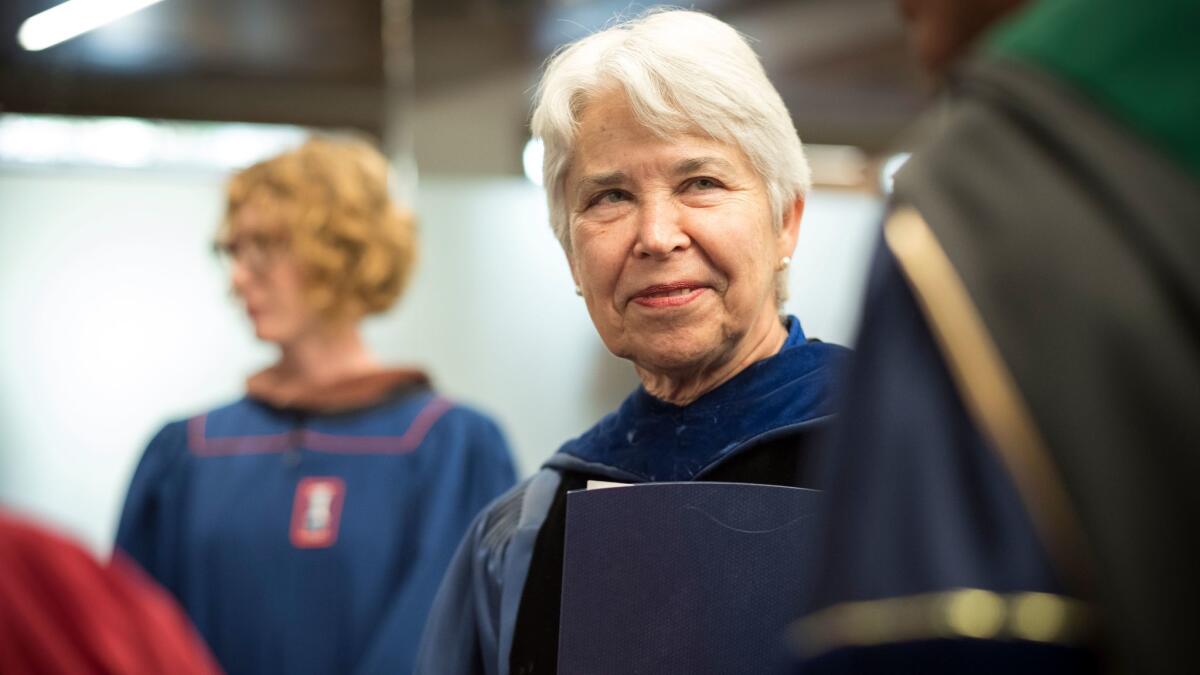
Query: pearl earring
{"x": 578, "y": 291}
{"x": 784, "y": 262}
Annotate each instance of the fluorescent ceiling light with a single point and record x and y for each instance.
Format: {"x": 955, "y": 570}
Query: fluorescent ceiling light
{"x": 123, "y": 142}
{"x": 72, "y": 18}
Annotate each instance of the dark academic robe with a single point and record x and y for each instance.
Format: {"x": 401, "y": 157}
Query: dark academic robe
{"x": 498, "y": 609}
{"x": 307, "y": 531}
{"x": 1012, "y": 483}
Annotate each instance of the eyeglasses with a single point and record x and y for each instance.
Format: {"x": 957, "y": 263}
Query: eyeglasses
{"x": 255, "y": 251}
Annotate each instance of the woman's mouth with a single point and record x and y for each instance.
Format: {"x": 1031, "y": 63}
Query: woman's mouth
{"x": 668, "y": 295}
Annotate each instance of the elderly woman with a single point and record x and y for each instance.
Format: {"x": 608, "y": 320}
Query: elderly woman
{"x": 676, "y": 184}
{"x": 305, "y": 527}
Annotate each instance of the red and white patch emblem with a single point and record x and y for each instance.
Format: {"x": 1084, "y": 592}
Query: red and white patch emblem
{"x": 317, "y": 512}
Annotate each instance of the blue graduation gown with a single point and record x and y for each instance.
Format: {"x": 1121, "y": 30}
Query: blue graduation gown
{"x": 776, "y": 403}
{"x": 303, "y": 542}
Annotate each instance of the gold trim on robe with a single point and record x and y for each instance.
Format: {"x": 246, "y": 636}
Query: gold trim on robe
{"x": 989, "y": 391}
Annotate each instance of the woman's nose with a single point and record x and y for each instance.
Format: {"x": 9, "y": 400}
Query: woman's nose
{"x": 240, "y": 276}
{"x": 660, "y": 229}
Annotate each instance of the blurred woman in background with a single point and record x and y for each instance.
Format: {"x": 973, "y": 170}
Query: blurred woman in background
{"x": 305, "y": 527}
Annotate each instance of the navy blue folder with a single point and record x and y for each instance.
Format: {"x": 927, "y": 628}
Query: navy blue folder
{"x": 692, "y": 578}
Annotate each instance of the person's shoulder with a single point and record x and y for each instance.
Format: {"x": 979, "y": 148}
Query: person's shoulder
{"x": 109, "y": 609}
{"x": 424, "y": 405}
{"x": 813, "y": 365}
{"x": 473, "y": 424}
{"x": 497, "y": 523}
{"x": 456, "y": 439}
{"x": 813, "y": 354}
{"x": 523, "y": 506}
{"x": 816, "y": 371}
{"x": 828, "y": 353}
{"x": 424, "y": 426}
{"x": 32, "y": 547}
{"x": 236, "y": 406}
{"x": 28, "y": 539}
{"x": 171, "y": 438}
{"x": 179, "y": 435}
{"x": 242, "y": 415}
{"x": 808, "y": 352}
{"x": 465, "y": 413}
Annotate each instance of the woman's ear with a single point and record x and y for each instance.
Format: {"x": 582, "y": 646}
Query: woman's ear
{"x": 789, "y": 230}
{"x": 574, "y": 274}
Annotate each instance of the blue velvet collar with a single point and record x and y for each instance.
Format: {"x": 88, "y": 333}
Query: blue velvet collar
{"x": 650, "y": 440}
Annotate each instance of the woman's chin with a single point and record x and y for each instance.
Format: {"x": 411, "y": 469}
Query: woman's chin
{"x": 670, "y": 344}
{"x": 267, "y": 333}
{"x": 672, "y": 354}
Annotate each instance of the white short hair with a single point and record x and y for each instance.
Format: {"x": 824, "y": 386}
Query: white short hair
{"x": 682, "y": 71}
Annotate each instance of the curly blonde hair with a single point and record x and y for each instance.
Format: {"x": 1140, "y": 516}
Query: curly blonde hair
{"x": 356, "y": 247}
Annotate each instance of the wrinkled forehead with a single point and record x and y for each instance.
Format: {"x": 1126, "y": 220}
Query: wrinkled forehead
{"x": 611, "y": 100}
{"x": 610, "y": 136}
{"x": 609, "y": 118}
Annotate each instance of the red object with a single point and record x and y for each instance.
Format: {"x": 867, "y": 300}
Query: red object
{"x": 63, "y": 612}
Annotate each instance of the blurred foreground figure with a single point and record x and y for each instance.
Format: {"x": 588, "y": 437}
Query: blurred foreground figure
{"x": 1013, "y": 485}
{"x": 63, "y": 613}
{"x": 306, "y": 526}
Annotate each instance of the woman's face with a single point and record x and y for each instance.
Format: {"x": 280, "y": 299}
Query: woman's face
{"x": 267, "y": 278}
{"x": 672, "y": 243}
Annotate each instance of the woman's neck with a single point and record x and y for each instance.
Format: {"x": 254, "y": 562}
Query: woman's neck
{"x": 324, "y": 356}
{"x": 683, "y": 388}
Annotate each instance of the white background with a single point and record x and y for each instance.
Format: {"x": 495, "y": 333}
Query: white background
{"x": 115, "y": 319}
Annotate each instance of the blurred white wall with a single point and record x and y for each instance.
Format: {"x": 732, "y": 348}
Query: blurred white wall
{"x": 114, "y": 319}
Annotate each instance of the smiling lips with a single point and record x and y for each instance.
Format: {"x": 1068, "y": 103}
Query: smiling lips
{"x": 669, "y": 295}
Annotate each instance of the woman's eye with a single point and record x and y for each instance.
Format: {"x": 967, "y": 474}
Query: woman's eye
{"x": 610, "y": 197}
{"x": 705, "y": 184}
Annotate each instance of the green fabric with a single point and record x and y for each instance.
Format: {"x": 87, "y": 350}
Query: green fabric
{"x": 1139, "y": 60}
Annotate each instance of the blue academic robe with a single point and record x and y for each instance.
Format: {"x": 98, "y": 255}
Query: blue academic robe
{"x": 303, "y": 542}
{"x": 753, "y": 428}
